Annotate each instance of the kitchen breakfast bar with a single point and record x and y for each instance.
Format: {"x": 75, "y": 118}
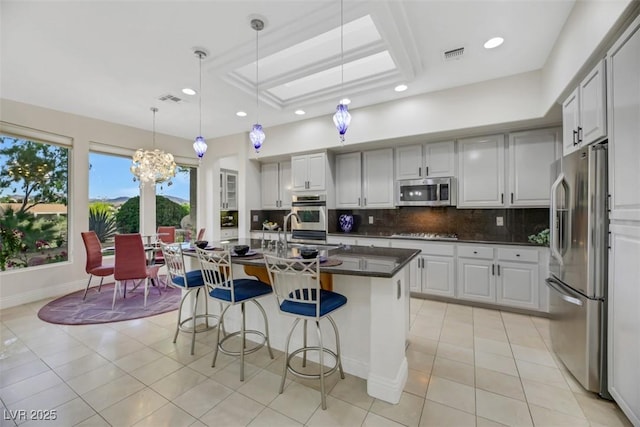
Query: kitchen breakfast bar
{"x": 373, "y": 325}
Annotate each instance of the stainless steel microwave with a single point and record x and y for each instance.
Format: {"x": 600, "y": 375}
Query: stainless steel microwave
{"x": 426, "y": 192}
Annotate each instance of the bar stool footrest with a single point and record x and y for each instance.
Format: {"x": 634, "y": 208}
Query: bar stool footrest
{"x": 248, "y": 350}
{"x": 312, "y": 376}
{"x": 199, "y": 328}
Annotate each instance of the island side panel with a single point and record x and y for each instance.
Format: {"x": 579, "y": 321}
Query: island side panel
{"x": 388, "y": 368}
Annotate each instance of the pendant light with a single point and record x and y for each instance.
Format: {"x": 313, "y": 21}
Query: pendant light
{"x": 152, "y": 166}
{"x": 199, "y": 145}
{"x": 342, "y": 118}
{"x": 257, "y": 135}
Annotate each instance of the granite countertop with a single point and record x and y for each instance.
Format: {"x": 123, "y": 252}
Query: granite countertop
{"x": 356, "y": 260}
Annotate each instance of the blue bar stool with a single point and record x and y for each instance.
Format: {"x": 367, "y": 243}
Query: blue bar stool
{"x": 218, "y": 275}
{"x": 188, "y": 281}
{"x": 296, "y": 284}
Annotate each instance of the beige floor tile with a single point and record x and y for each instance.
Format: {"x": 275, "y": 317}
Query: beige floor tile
{"x": 602, "y": 411}
{"x": 406, "y": 412}
{"x": 499, "y": 383}
{"x": 526, "y": 339}
{"x": 178, "y": 382}
{"x": 168, "y": 415}
{"x": 419, "y": 361}
{"x": 45, "y": 399}
{"x": 22, "y": 372}
{"x": 68, "y": 355}
{"x": 81, "y": 366}
{"x": 104, "y": 374}
{"x": 269, "y": 418}
{"x": 14, "y": 355}
{"x": 458, "y": 337}
{"x": 490, "y": 333}
{"x": 424, "y": 345}
{"x": 453, "y": 394}
{"x": 417, "y": 383}
{"x": 67, "y": 414}
{"x": 134, "y": 408}
{"x": 455, "y": 352}
{"x": 202, "y": 398}
{"x": 483, "y": 422}
{"x": 492, "y": 346}
{"x": 106, "y": 395}
{"x": 153, "y": 371}
{"x": 235, "y": 410}
{"x": 550, "y": 397}
{"x": 230, "y": 375}
{"x": 373, "y": 420}
{"x": 95, "y": 421}
{"x": 436, "y": 414}
{"x": 25, "y": 388}
{"x": 540, "y": 373}
{"x": 135, "y": 360}
{"x": 297, "y": 402}
{"x": 338, "y": 413}
{"x": 543, "y": 417}
{"x": 454, "y": 371}
{"x": 505, "y": 410}
{"x": 533, "y": 355}
{"x": 506, "y": 365}
{"x": 262, "y": 387}
{"x": 353, "y": 390}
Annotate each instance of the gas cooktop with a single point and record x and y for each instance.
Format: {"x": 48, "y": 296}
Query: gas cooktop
{"x": 427, "y": 236}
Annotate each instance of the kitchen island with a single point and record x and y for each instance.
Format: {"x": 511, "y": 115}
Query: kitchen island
{"x": 373, "y": 325}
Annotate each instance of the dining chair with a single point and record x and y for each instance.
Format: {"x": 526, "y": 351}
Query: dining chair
{"x": 296, "y": 284}
{"x": 218, "y": 275}
{"x": 188, "y": 281}
{"x": 166, "y": 234}
{"x": 200, "y": 234}
{"x": 94, "y": 265}
{"x": 131, "y": 264}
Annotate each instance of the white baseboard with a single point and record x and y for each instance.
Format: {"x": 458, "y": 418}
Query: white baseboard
{"x": 389, "y": 390}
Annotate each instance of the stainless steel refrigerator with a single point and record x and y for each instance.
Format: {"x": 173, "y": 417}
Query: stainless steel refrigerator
{"x": 578, "y": 264}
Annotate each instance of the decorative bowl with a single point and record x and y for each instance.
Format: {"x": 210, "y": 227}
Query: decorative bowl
{"x": 270, "y": 225}
{"x": 308, "y": 253}
{"x": 346, "y": 222}
{"x": 201, "y": 243}
{"x": 241, "y": 249}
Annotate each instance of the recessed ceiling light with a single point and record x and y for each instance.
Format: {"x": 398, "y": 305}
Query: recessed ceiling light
{"x": 494, "y": 42}
{"x": 300, "y": 112}
{"x": 345, "y": 101}
{"x": 400, "y": 88}
{"x": 241, "y": 114}
{"x": 188, "y": 91}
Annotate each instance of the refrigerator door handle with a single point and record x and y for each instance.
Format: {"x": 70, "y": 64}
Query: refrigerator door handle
{"x": 559, "y": 288}
{"x": 554, "y": 238}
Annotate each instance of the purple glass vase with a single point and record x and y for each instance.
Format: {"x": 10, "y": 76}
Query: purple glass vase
{"x": 346, "y": 222}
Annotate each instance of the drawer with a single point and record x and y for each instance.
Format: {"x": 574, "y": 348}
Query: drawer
{"x": 518, "y": 254}
{"x": 445, "y": 249}
{"x": 480, "y": 252}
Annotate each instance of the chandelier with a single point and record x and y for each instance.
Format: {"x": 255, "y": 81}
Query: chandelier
{"x": 342, "y": 118}
{"x": 199, "y": 146}
{"x": 257, "y": 134}
{"x": 153, "y": 166}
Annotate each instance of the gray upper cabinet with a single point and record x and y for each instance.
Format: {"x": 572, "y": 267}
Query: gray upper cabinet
{"x": 426, "y": 160}
{"x": 584, "y": 112}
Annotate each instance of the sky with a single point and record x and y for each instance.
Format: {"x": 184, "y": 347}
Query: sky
{"x": 110, "y": 177}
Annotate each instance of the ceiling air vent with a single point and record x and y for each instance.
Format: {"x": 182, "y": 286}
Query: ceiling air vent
{"x": 169, "y": 97}
{"x": 452, "y": 54}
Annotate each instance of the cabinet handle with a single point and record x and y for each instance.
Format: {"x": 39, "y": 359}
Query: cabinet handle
{"x": 358, "y": 201}
{"x": 493, "y": 269}
{"x": 419, "y": 170}
{"x": 575, "y": 139}
{"x": 502, "y": 198}
{"x": 511, "y": 198}
{"x": 579, "y": 134}
{"x": 517, "y": 254}
{"x": 365, "y": 201}
{"x": 498, "y": 269}
{"x": 475, "y": 252}
{"x": 427, "y": 171}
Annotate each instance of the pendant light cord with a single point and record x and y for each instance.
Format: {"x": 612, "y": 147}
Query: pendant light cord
{"x": 200, "y": 90}
{"x": 154, "y": 126}
{"x": 257, "y": 80}
{"x": 341, "y": 50}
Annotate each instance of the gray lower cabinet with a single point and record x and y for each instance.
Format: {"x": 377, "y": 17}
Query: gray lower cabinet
{"x": 504, "y": 276}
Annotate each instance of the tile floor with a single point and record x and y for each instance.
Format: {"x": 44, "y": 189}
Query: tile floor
{"x": 467, "y": 367}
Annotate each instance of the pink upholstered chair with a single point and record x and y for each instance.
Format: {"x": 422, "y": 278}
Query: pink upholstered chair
{"x": 165, "y": 235}
{"x": 200, "y": 234}
{"x": 131, "y": 264}
{"x": 94, "y": 266}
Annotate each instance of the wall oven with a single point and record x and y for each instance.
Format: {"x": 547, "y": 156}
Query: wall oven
{"x": 426, "y": 192}
{"x": 311, "y": 221}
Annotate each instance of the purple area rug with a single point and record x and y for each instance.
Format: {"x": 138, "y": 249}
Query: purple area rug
{"x": 96, "y": 308}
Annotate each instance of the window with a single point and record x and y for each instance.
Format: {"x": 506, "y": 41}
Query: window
{"x": 114, "y": 198}
{"x": 33, "y": 198}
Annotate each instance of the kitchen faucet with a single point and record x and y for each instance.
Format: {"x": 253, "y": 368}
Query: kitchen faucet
{"x": 286, "y": 218}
